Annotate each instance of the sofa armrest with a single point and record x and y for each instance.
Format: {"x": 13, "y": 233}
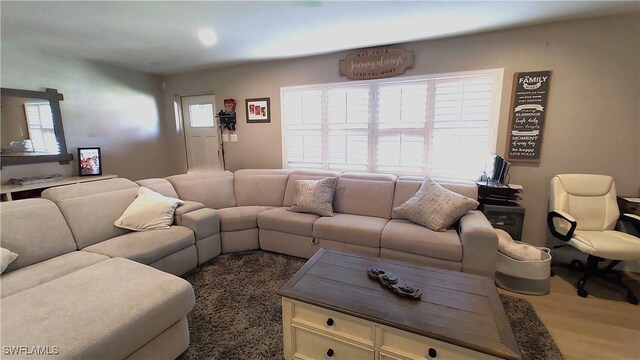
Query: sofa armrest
{"x": 479, "y": 244}
{"x": 187, "y": 207}
{"x": 203, "y": 222}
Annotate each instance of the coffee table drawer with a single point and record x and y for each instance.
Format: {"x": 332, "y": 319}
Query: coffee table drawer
{"x": 308, "y": 344}
{"x": 333, "y": 322}
{"x": 414, "y": 346}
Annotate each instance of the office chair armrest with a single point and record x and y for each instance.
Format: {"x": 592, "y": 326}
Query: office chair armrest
{"x": 629, "y": 217}
{"x": 566, "y": 217}
{"x": 630, "y": 223}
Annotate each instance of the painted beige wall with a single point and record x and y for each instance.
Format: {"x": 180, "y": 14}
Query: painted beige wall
{"x": 116, "y": 109}
{"x": 593, "y": 123}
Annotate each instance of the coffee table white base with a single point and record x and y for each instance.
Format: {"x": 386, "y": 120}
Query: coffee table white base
{"x": 312, "y": 332}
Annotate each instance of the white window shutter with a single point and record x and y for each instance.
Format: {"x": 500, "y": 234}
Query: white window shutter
{"x": 302, "y": 116}
{"x": 402, "y": 116}
{"x": 460, "y": 139}
{"x": 348, "y": 128}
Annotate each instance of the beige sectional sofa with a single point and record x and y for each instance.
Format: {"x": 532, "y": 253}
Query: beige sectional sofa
{"x": 87, "y": 289}
{"x": 252, "y": 207}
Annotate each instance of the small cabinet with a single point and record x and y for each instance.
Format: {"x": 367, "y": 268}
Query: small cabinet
{"x": 508, "y": 218}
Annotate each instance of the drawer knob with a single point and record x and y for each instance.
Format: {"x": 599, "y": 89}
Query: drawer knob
{"x": 432, "y": 353}
{"x": 330, "y": 322}
{"x": 330, "y": 352}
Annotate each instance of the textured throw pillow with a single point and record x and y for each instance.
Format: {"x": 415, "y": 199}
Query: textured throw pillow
{"x": 6, "y": 258}
{"x": 435, "y": 207}
{"x": 149, "y": 211}
{"x": 314, "y": 196}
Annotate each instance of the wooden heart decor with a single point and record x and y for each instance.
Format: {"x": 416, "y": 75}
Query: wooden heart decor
{"x": 376, "y": 63}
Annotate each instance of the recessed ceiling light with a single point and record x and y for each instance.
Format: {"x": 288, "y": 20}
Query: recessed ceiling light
{"x": 207, "y": 36}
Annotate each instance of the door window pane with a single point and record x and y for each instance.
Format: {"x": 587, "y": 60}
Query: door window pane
{"x": 201, "y": 115}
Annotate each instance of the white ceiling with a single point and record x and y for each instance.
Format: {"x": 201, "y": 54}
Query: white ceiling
{"x": 160, "y": 37}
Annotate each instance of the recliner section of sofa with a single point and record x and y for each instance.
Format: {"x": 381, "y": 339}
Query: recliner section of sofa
{"x": 471, "y": 247}
{"x": 362, "y": 206}
{"x": 203, "y": 221}
{"x": 288, "y": 232}
{"x": 91, "y": 208}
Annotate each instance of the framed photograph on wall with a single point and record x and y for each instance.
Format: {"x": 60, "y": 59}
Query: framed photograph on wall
{"x": 258, "y": 110}
{"x": 89, "y": 161}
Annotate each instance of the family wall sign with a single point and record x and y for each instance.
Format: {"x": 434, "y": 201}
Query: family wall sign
{"x": 376, "y": 63}
{"x": 528, "y": 113}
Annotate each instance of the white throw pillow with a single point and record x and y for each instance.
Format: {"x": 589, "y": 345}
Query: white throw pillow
{"x": 314, "y": 196}
{"x": 435, "y": 207}
{"x": 6, "y": 258}
{"x": 149, "y": 211}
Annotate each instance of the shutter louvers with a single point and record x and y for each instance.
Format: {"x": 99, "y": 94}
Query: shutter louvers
{"x": 402, "y": 114}
{"x": 348, "y": 128}
{"x": 460, "y": 139}
{"x": 302, "y": 115}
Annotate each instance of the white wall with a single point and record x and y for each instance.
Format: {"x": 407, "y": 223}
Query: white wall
{"x": 116, "y": 109}
{"x": 593, "y": 123}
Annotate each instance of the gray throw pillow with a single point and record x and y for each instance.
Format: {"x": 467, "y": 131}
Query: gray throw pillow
{"x": 6, "y": 258}
{"x": 434, "y": 206}
{"x": 314, "y": 196}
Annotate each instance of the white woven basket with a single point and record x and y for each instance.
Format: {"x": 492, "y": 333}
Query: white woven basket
{"x": 524, "y": 276}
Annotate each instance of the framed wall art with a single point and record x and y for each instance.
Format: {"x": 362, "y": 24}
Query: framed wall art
{"x": 258, "y": 110}
{"x": 89, "y": 161}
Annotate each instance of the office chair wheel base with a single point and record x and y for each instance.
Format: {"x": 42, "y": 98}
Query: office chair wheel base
{"x": 576, "y": 264}
{"x": 582, "y": 293}
{"x": 632, "y": 299}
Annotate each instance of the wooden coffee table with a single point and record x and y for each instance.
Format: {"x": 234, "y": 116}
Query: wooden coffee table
{"x": 331, "y": 309}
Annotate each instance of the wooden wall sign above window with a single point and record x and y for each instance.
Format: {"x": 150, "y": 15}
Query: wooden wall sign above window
{"x": 528, "y": 113}
{"x": 376, "y": 63}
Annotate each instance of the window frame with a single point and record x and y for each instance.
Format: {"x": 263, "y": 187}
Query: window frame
{"x": 373, "y": 128}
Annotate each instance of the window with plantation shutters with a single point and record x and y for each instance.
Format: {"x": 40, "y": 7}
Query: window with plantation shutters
{"x": 40, "y": 126}
{"x": 436, "y": 125}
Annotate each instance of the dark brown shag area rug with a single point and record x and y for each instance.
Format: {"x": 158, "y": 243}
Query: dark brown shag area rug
{"x": 238, "y": 313}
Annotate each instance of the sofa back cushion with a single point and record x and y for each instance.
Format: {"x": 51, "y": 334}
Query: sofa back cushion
{"x": 290, "y": 191}
{"x": 407, "y": 186}
{"x": 91, "y": 208}
{"x": 213, "y": 189}
{"x": 35, "y": 230}
{"x": 161, "y": 186}
{"x": 364, "y": 194}
{"x": 260, "y": 187}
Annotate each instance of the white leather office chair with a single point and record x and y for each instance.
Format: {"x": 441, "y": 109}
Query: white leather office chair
{"x": 583, "y": 213}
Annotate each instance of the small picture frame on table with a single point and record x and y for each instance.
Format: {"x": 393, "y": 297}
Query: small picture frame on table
{"x": 258, "y": 110}
{"x": 89, "y": 161}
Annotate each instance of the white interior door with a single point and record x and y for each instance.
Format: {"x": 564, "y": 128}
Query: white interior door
{"x": 201, "y": 133}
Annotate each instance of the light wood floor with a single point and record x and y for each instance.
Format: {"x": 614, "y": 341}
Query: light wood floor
{"x": 601, "y": 326}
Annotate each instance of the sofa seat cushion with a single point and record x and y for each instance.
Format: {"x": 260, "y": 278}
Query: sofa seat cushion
{"x": 45, "y": 271}
{"x": 405, "y": 236}
{"x": 146, "y": 247}
{"x": 283, "y": 220}
{"x": 104, "y": 311}
{"x": 241, "y": 217}
{"x": 352, "y": 229}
